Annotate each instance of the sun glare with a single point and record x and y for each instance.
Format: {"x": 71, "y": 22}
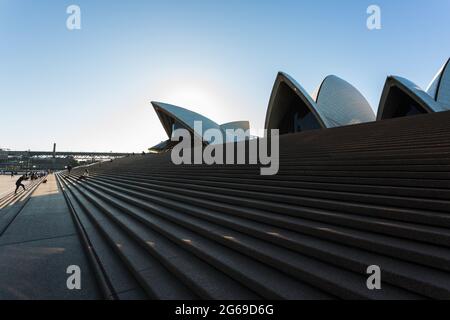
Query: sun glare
{"x": 198, "y": 96}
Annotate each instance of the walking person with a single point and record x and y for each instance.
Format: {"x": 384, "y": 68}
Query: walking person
{"x": 20, "y": 184}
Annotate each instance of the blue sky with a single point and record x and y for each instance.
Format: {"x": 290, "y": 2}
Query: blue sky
{"x": 90, "y": 89}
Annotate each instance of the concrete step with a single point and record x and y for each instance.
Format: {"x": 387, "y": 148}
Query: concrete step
{"x": 436, "y": 235}
{"x": 424, "y": 253}
{"x": 429, "y": 180}
{"x": 409, "y": 275}
{"x": 433, "y": 188}
{"x": 296, "y": 265}
{"x": 399, "y": 270}
{"x": 202, "y": 279}
{"x": 254, "y": 171}
{"x": 284, "y": 187}
{"x": 343, "y": 199}
{"x": 267, "y": 281}
{"x": 110, "y": 269}
{"x": 156, "y": 280}
{"x": 306, "y": 198}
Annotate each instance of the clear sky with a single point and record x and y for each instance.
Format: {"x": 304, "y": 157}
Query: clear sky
{"x": 90, "y": 89}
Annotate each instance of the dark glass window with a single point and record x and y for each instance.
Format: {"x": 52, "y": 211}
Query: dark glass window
{"x": 296, "y": 115}
{"x": 400, "y": 104}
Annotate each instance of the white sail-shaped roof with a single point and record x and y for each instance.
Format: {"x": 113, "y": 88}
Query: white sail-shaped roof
{"x": 170, "y": 115}
{"x": 391, "y": 100}
{"x": 173, "y": 117}
{"x": 439, "y": 88}
{"x": 240, "y": 130}
{"x": 402, "y": 97}
{"x": 244, "y": 125}
{"x": 335, "y": 103}
{"x": 341, "y": 103}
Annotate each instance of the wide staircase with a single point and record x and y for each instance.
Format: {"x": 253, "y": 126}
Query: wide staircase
{"x": 344, "y": 199}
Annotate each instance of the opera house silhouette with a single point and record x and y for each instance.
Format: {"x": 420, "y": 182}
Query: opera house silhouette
{"x": 335, "y": 103}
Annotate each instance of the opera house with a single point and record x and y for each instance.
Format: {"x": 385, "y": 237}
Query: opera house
{"x": 335, "y": 103}
{"x": 173, "y": 117}
{"x": 359, "y": 209}
{"x": 402, "y": 97}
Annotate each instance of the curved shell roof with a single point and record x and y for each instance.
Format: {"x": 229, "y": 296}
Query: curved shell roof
{"x": 421, "y": 97}
{"x": 168, "y": 114}
{"x": 341, "y": 103}
{"x": 235, "y": 125}
{"x": 245, "y": 125}
{"x": 336, "y": 102}
{"x": 439, "y": 88}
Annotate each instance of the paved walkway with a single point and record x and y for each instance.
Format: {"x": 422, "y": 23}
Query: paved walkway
{"x": 37, "y": 248}
{"x": 8, "y": 184}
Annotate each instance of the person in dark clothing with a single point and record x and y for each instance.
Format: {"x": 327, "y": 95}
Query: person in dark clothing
{"x": 20, "y": 184}
{"x": 69, "y": 168}
{"x": 84, "y": 176}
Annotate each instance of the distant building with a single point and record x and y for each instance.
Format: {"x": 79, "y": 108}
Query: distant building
{"x": 3, "y": 154}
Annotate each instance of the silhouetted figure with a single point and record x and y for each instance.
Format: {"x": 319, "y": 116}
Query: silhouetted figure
{"x": 20, "y": 184}
{"x": 69, "y": 168}
{"x": 84, "y": 176}
{"x": 12, "y": 174}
